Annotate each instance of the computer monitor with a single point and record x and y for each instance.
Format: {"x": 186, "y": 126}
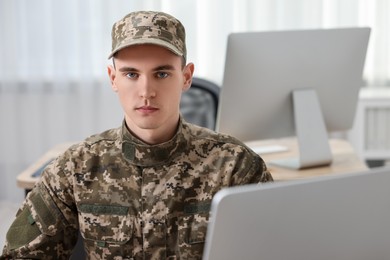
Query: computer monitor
{"x": 321, "y": 70}
{"x": 343, "y": 217}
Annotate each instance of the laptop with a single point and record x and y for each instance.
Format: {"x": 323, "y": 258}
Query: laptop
{"x": 343, "y": 217}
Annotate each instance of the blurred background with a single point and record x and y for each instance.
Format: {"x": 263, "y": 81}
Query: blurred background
{"x": 53, "y": 56}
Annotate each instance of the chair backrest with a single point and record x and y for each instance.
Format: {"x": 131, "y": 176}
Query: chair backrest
{"x": 199, "y": 104}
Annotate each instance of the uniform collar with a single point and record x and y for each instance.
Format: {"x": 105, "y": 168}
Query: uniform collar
{"x": 139, "y": 153}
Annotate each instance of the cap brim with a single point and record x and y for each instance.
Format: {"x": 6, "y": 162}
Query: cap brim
{"x": 154, "y": 41}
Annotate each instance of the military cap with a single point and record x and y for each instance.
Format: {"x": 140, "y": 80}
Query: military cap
{"x": 149, "y": 27}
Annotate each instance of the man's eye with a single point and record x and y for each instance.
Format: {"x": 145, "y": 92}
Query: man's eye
{"x": 161, "y": 75}
{"x": 132, "y": 75}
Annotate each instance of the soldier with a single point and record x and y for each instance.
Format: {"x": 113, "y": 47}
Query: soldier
{"x": 143, "y": 190}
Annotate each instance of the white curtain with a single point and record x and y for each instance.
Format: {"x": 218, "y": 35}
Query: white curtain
{"x": 53, "y": 57}
{"x": 44, "y": 43}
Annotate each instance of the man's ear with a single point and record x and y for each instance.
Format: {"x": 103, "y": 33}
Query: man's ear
{"x": 111, "y": 74}
{"x": 188, "y": 72}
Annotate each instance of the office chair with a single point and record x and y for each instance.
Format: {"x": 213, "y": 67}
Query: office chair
{"x": 199, "y": 104}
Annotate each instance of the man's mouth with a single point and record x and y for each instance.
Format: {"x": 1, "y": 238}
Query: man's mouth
{"x": 147, "y": 109}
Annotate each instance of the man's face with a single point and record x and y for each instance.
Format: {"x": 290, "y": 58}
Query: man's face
{"x": 149, "y": 80}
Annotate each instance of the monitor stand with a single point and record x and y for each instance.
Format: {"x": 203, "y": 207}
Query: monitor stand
{"x": 313, "y": 143}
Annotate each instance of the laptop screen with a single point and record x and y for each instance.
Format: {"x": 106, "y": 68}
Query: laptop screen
{"x": 334, "y": 217}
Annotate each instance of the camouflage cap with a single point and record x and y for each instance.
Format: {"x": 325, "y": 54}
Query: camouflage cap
{"x": 149, "y": 27}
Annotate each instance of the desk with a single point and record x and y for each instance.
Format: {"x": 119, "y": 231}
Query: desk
{"x": 345, "y": 160}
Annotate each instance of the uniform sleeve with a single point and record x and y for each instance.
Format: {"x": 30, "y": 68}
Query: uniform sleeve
{"x": 45, "y": 226}
{"x": 250, "y": 168}
{"x": 262, "y": 170}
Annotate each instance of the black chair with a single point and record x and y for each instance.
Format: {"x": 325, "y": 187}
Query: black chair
{"x": 199, "y": 104}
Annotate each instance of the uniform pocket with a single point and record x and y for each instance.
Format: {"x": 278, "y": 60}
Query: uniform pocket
{"x": 105, "y": 224}
{"x": 192, "y": 235}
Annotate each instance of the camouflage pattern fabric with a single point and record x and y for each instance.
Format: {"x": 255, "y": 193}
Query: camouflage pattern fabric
{"x": 149, "y": 27}
{"x": 131, "y": 200}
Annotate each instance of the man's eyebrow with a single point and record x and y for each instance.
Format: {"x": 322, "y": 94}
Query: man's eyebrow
{"x": 125, "y": 69}
{"x": 164, "y": 67}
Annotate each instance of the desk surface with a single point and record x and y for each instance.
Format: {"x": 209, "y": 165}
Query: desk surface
{"x": 345, "y": 160}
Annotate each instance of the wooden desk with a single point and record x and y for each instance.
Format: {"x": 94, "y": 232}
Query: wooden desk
{"x": 345, "y": 160}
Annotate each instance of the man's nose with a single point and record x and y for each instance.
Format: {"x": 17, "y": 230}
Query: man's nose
{"x": 146, "y": 88}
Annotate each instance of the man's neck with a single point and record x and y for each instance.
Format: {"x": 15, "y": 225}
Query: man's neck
{"x": 154, "y": 136}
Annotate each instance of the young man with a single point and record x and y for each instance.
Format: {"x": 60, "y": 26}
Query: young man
{"x": 143, "y": 190}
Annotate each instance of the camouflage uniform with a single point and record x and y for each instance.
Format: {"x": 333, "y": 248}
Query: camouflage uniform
{"x": 131, "y": 200}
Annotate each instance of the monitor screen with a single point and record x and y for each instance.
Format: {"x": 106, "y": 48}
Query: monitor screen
{"x": 343, "y": 217}
{"x": 264, "y": 69}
